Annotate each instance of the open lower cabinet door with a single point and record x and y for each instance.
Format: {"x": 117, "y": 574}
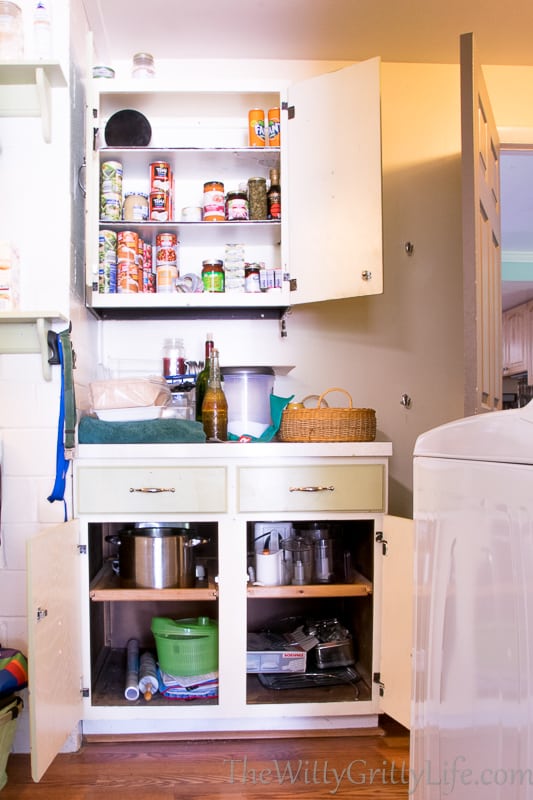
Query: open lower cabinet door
{"x": 397, "y": 618}
{"x": 54, "y": 642}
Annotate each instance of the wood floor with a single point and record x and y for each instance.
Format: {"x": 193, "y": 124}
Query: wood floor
{"x": 359, "y": 766}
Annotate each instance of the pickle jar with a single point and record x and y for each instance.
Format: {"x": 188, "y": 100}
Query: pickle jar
{"x": 257, "y": 198}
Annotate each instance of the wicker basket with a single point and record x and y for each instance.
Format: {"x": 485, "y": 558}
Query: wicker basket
{"x": 325, "y": 424}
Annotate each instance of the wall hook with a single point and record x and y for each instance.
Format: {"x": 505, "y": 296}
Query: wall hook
{"x": 409, "y": 248}
{"x": 406, "y": 401}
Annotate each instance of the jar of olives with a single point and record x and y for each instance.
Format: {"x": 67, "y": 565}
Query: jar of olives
{"x": 257, "y": 198}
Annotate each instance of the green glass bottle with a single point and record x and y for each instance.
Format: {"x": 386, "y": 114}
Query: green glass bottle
{"x": 201, "y": 380}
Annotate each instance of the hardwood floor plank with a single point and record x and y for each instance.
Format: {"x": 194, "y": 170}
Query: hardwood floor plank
{"x": 373, "y": 766}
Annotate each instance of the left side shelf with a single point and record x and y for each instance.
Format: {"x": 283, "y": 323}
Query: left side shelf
{"x": 27, "y": 332}
{"x": 25, "y": 90}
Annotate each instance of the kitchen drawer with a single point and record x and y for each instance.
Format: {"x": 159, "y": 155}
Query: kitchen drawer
{"x": 347, "y": 487}
{"x": 151, "y": 490}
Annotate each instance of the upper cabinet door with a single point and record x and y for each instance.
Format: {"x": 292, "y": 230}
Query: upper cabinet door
{"x": 481, "y": 239}
{"x": 334, "y": 173}
{"x": 54, "y": 643}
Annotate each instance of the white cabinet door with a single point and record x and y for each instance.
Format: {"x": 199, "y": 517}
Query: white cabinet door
{"x": 54, "y": 641}
{"x": 334, "y": 194}
{"x": 397, "y": 618}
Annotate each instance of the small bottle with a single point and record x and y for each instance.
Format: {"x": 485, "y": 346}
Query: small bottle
{"x": 274, "y": 196}
{"x": 143, "y": 66}
{"x": 42, "y": 31}
{"x": 201, "y": 380}
{"x": 215, "y": 405}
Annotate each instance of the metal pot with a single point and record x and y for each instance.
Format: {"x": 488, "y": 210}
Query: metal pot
{"x": 156, "y": 558}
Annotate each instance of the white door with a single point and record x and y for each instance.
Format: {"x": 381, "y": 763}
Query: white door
{"x": 334, "y": 193}
{"x": 397, "y": 618}
{"x": 481, "y": 239}
{"x": 54, "y": 641}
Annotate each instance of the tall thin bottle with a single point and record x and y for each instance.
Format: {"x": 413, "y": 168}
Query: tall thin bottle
{"x": 274, "y": 196}
{"x": 215, "y": 405}
{"x": 201, "y": 380}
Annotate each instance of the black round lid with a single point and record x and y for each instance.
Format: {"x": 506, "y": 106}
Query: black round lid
{"x": 128, "y": 128}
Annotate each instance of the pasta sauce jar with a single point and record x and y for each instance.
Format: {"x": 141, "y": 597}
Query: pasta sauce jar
{"x": 214, "y": 201}
{"x": 213, "y": 275}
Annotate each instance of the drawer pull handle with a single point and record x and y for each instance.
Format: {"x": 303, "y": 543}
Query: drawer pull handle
{"x": 312, "y": 489}
{"x": 152, "y": 490}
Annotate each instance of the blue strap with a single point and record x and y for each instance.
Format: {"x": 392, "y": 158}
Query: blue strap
{"x": 62, "y": 463}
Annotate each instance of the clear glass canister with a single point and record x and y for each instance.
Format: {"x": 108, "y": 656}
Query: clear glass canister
{"x": 173, "y": 357}
{"x": 257, "y": 198}
{"x": 11, "y": 31}
{"x": 143, "y": 66}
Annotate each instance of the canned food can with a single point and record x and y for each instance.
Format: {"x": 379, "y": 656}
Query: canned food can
{"x": 107, "y": 262}
{"x": 148, "y": 281}
{"x": 191, "y": 214}
{"x": 273, "y": 127}
{"x": 127, "y": 277}
{"x": 159, "y": 206}
{"x": 214, "y": 201}
{"x": 110, "y": 207}
{"x": 167, "y": 275}
{"x": 160, "y": 176}
{"x": 256, "y": 127}
{"x": 135, "y": 208}
{"x": 127, "y": 246}
{"x": 213, "y": 276}
{"x": 166, "y": 249}
{"x": 111, "y": 177}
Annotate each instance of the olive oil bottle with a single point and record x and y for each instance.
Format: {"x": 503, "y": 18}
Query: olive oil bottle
{"x": 215, "y": 405}
{"x": 201, "y": 380}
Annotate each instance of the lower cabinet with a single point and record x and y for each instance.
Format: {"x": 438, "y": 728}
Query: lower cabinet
{"x": 279, "y": 554}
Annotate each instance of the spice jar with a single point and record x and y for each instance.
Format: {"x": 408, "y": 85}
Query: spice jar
{"x": 257, "y": 198}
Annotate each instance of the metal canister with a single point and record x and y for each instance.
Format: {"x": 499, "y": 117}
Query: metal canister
{"x": 213, "y": 275}
{"x": 213, "y": 204}
{"x": 256, "y": 127}
{"x": 166, "y": 255}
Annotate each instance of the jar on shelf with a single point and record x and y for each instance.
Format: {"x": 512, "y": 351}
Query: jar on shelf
{"x": 213, "y": 275}
{"x": 257, "y": 198}
{"x": 135, "y": 207}
{"x": 237, "y": 205}
{"x": 213, "y": 202}
{"x": 143, "y": 66}
{"x": 173, "y": 357}
{"x": 11, "y": 32}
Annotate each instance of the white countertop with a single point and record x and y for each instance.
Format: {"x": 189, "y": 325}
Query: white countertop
{"x": 232, "y": 450}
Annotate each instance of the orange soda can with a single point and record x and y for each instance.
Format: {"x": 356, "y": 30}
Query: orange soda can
{"x": 256, "y": 127}
{"x": 273, "y": 127}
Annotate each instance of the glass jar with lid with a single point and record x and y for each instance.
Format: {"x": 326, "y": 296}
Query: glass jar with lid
{"x": 257, "y": 198}
{"x": 143, "y": 66}
{"x": 11, "y": 31}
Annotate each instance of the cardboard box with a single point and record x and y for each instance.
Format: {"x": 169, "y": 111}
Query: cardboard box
{"x": 268, "y": 652}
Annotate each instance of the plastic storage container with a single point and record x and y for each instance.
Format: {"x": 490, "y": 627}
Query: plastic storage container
{"x": 248, "y": 391}
{"x": 186, "y": 646}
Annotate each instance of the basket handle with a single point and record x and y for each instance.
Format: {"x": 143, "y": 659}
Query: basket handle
{"x": 335, "y": 389}
{"x": 312, "y": 397}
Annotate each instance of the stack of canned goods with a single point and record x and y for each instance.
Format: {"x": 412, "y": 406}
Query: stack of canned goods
{"x": 166, "y": 248}
{"x": 107, "y": 262}
{"x": 161, "y": 184}
{"x": 111, "y": 191}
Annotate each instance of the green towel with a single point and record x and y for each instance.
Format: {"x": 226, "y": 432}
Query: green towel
{"x": 152, "y": 431}
{"x": 277, "y": 404}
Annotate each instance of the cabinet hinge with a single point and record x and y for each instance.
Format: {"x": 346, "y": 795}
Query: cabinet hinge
{"x": 82, "y": 549}
{"x": 85, "y": 692}
{"x": 377, "y": 679}
{"x": 293, "y": 284}
{"x": 379, "y": 538}
{"x": 289, "y": 109}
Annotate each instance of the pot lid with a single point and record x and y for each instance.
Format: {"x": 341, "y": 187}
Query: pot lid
{"x": 128, "y": 128}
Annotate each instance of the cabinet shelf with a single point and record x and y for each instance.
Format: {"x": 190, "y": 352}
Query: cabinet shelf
{"x": 361, "y": 587}
{"x": 255, "y": 231}
{"x": 106, "y": 586}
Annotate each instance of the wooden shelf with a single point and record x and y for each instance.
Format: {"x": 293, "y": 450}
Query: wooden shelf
{"x": 361, "y": 587}
{"x": 106, "y": 586}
